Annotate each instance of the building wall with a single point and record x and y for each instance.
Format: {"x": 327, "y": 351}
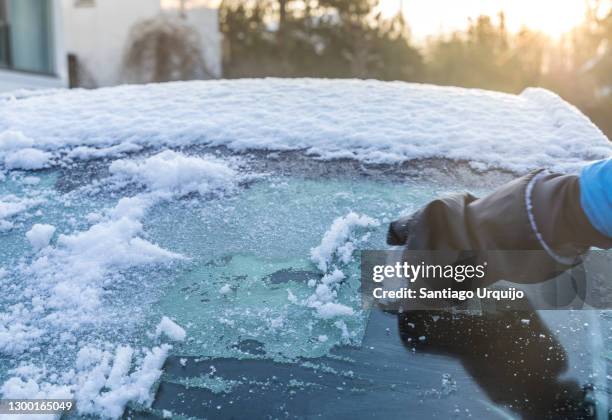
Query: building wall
{"x": 97, "y": 33}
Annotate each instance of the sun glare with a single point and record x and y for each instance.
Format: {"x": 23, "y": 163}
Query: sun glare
{"x": 552, "y": 17}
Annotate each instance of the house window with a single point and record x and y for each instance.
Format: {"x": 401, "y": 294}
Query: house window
{"x": 26, "y": 41}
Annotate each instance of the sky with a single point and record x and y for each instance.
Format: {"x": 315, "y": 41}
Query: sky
{"x": 427, "y": 17}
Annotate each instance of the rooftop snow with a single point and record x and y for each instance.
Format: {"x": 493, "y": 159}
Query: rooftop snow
{"x": 381, "y": 122}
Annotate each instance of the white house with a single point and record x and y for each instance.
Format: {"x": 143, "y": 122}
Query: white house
{"x": 53, "y": 43}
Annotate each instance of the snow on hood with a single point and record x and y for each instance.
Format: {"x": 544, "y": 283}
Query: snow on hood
{"x": 377, "y": 122}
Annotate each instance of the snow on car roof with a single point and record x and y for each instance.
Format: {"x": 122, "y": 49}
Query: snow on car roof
{"x": 372, "y": 121}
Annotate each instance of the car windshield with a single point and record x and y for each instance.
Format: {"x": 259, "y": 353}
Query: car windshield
{"x": 205, "y": 281}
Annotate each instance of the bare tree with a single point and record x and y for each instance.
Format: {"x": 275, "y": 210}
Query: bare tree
{"x": 164, "y": 49}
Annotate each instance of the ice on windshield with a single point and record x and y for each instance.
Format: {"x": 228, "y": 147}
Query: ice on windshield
{"x": 193, "y": 251}
{"x": 120, "y": 252}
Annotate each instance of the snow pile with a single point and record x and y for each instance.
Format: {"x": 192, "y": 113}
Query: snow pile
{"x": 170, "y": 329}
{"x": 18, "y": 152}
{"x": 63, "y": 292}
{"x": 63, "y": 287}
{"x": 336, "y": 243}
{"x": 17, "y": 334}
{"x": 28, "y": 159}
{"x": 383, "y": 122}
{"x": 176, "y": 173}
{"x": 70, "y": 277}
{"x": 102, "y": 384}
{"x": 14, "y": 140}
{"x": 40, "y": 235}
{"x": 337, "y": 247}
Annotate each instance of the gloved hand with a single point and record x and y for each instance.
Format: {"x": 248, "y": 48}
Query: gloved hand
{"x": 540, "y": 211}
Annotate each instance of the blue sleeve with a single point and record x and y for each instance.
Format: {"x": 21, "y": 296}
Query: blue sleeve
{"x": 596, "y": 195}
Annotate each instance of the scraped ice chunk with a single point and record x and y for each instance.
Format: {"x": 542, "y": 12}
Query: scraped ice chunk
{"x": 333, "y": 277}
{"x": 40, "y": 235}
{"x": 170, "y": 329}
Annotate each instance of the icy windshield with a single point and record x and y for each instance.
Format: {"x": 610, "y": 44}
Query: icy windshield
{"x": 240, "y": 273}
{"x": 194, "y": 252}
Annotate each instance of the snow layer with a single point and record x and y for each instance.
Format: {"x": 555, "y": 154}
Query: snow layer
{"x": 14, "y": 140}
{"x": 28, "y": 159}
{"x": 336, "y": 248}
{"x": 366, "y": 120}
